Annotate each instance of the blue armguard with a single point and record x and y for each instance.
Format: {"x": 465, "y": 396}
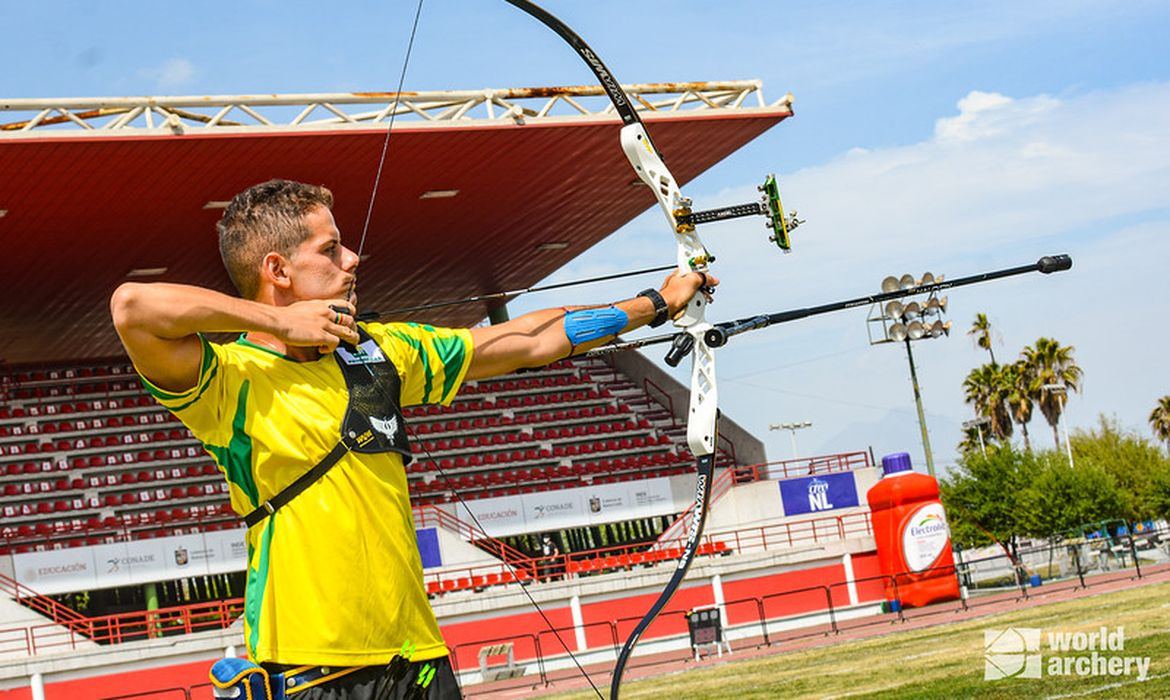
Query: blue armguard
{"x": 243, "y": 679}
{"x": 584, "y": 325}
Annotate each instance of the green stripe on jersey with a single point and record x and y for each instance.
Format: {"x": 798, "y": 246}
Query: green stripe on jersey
{"x": 236, "y": 457}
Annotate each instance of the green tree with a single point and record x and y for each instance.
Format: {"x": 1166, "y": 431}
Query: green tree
{"x": 1049, "y": 362}
{"x": 1160, "y": 494}
{"x": 982, "y": 495}
{"x": 981, "y": 330}
{"x": 1135, "y": 463}
{"x": 1061, "y": 497}
{"x": 984, "y": 387}
{"x": 1160, "y": 419}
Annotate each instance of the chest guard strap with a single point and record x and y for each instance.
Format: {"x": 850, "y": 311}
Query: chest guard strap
{"x": 373, "y": 420}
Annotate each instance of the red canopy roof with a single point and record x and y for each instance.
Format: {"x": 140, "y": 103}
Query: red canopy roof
{"x": 83, "y": 212}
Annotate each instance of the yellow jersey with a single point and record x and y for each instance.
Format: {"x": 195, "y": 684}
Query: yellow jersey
{"x": 334, "y": 577}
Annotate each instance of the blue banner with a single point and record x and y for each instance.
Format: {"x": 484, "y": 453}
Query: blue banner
{"x": 816, "y": 494}
{"x": 428, "y": 547}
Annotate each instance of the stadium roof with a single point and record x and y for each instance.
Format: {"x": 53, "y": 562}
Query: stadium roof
{"x": 482, "y": 190}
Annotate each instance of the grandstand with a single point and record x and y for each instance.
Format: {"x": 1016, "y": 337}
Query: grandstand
{"x": 95, "y": 473}
{"x": 89, "y": 458}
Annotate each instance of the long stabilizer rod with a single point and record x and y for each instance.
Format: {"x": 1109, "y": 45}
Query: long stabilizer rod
{"x": 722, "y": 332}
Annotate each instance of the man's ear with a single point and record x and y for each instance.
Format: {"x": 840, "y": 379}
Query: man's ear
{"x": 274, "y": 270}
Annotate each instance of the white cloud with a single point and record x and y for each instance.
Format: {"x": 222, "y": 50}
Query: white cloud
{"x": 172, "y": 74}
{"x": 1001, "y": 170}
{"x": 983, "y": 115}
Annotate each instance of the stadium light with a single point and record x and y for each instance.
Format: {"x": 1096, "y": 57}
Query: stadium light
{"x": 902, "y": 322}
{"x": 934, "y": 305}
{"x": 791, "y": 428}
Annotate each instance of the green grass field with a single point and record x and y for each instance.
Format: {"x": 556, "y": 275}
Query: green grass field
{"x": 944, "y": 661}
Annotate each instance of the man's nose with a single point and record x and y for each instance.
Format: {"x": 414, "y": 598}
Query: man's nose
{"x": 350, "y": 260}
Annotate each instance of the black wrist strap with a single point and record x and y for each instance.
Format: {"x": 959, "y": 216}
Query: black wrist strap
{"x": 660, "y": 309}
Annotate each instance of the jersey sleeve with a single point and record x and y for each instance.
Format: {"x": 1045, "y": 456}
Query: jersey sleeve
{"x": 201, "y": 407}
{"x": 431, "y": 362}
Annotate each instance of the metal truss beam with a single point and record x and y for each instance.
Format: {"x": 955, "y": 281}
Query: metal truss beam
{"x": 338, "y": 111}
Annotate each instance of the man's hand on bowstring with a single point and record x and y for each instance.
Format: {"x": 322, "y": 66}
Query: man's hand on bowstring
{"x": 319, "y": 323}
{"x": 678, "y": 289}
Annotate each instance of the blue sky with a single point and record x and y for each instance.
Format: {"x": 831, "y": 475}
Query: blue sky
{"x": 950, "y": 137}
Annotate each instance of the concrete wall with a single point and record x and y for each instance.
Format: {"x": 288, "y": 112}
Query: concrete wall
{"x": 92, "y": 672}
{"x": 583, "y": 611}
{"x": 458, "y": 552}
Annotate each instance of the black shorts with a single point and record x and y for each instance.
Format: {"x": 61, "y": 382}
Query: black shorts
{"x": 437, "y": 678}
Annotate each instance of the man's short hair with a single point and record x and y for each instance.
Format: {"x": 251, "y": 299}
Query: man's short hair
{"x": 265, "y": 218}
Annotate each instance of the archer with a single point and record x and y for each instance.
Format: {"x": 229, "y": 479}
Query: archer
{"x": 302, "y": 414}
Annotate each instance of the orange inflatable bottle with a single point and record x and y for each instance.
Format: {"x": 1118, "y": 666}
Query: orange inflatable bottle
{"x": 913, "y": 540}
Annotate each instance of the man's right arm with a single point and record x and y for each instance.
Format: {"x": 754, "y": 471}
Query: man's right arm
{"x": 159, "y": 325}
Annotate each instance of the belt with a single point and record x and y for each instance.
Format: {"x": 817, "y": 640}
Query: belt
{"x": 298, "y": 678}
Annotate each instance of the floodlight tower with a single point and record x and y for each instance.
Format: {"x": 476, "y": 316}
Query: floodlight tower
{"x": 902, "y": 322}
{"x": 1061, "y": 392}
{"x": 977, "y": 424}
{"x": 792, "y": 428}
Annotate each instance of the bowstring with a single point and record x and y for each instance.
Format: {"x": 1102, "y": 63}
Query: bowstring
{"x": 389, "y": 130}
{"x": 508, "y": 565}
{"x": 430, "y": 458}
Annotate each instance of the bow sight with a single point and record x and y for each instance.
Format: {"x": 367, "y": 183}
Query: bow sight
{"x": 769, "y": 206}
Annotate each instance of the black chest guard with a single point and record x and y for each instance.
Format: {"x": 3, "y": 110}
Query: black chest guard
{"x": 373, "y": 420}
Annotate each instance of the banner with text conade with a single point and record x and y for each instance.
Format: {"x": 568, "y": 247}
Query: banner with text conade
{"x": 131, "y": 563}
{"x": 142, "y": 561}
{"x": 568, "y": 508}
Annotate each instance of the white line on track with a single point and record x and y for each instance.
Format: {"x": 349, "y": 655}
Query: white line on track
{"x": 1103, "y": 688}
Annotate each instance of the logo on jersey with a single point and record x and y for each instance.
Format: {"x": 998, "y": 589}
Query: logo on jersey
{"x": 388, "y": 427}
{"x": 367, "y": 353}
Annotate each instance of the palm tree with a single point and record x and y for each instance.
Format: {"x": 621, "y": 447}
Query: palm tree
{"x": 1017, "y": 382}
{"x": 981, "y": 329}
{"x": 1160, "y": 419}
{"x": 984, "y": 387}
{"x": 1048, "y": 363}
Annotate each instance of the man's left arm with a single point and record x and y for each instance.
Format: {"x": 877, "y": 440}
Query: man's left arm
{"x": 541, "y": 337}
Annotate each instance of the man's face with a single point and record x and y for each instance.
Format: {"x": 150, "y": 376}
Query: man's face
{"x": 321, "y": 267}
